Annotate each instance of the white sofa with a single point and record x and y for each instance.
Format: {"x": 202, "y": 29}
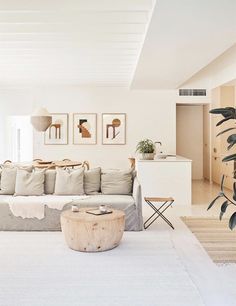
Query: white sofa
{"x": 131, "y": 204}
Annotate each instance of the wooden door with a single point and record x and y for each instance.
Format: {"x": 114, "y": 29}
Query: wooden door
{"x": 216, "y": 169}
{"x": 206, "y": 143}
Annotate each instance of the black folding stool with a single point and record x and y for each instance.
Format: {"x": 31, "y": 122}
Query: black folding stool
{"x": 158, "y": 212}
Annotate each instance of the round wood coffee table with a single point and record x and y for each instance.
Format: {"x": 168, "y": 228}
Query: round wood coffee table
{"x": 89, "y": 233}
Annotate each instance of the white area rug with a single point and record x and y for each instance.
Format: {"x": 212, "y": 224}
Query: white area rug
{"x": 37, "y": 268}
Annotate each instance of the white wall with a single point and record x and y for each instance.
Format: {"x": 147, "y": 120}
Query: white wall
{"x": 217, "y": 73}
{"x": 189, "y": 136}
{"x": 150, "y": 114}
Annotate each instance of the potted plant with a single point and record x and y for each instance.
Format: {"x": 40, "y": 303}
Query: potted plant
{"x": 146, "y": 149}
{"x": 228, "y": 113}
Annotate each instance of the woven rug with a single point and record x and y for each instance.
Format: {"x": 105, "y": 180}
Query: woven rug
{"x": 215, "y": 236}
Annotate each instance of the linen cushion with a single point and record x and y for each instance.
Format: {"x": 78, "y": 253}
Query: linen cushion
{"x": 29, "y": 183}
{"x": 50, "y": 179}
{"x": 8, "y": 180}
{"x": 0, "y": 178}
{"x": 69, "y": 182}
{"x": 117, "y": 181}
{"x": 92, "y": 181}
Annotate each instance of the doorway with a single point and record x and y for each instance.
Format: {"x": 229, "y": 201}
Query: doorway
{"x": 189, "y": 136}
{"x": 197, "y": 140}
{"x": 20, "y": 139}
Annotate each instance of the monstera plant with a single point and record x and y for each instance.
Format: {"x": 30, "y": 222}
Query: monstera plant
{"x": 228, "y": 113}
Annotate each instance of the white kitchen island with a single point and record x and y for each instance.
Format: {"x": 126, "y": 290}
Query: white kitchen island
{"x": 170, "y": 177}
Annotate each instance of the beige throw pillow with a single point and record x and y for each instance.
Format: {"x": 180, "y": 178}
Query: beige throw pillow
{"x": 29, "y": 183}
{"x": 8, "y": 180}
{"x": 117, "y": 182}
{"x": 69, "y": 182}
{"x": 50, "y": 180}
{"x": 92, "y": 181}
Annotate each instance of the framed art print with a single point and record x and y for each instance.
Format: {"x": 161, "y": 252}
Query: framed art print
{"x": 114, "y": 128}
{"x": 57, "y": 133}
{"x": 84, "y": 128}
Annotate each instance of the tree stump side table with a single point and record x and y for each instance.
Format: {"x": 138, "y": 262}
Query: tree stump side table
{"x": 89, "y": 233}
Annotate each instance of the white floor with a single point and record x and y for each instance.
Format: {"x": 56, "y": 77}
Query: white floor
{"x": 156, "y": 267}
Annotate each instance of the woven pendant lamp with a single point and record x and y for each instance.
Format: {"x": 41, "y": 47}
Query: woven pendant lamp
{"x": 41, "y": 119}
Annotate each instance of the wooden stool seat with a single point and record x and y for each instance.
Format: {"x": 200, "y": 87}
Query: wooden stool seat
{"x": 155, "y": 199}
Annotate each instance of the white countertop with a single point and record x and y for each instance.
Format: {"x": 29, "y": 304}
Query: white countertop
{"x": 176, "y": 158}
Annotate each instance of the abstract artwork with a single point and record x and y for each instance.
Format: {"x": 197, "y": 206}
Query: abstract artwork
{"x": 57, "y": 133}
{"x": 114, "y": 128}
{"x": 85, "y": 128}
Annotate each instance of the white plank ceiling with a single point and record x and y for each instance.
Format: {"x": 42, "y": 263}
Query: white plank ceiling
{"x": 81, "y": 42}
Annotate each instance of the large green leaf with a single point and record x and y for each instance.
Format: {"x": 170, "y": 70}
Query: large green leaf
{"x": 217, "y": 111}
{"x": 230, "y": 146}
{"x": 223, "y": 209}
{"x": 225, "y": 131}
{"x": 213, "y": 202}
{"x": 234, "y": 188}
{"x": 229, "y": 158}
{"x": 224, "y": 206}
{"x": 231, "y": 140}
{"x": 224, "y": 120}
{"x": 232, "y": 221}
{"x": 225, "y": 112}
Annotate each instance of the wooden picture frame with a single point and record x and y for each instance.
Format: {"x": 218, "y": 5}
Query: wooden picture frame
{"x": 84, "y": 128}
{"x": 58, "y": 132}
{"x": 113, "y": 128}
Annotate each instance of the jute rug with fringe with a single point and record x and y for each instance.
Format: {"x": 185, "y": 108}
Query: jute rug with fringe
{"x": 215, "y": 236}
